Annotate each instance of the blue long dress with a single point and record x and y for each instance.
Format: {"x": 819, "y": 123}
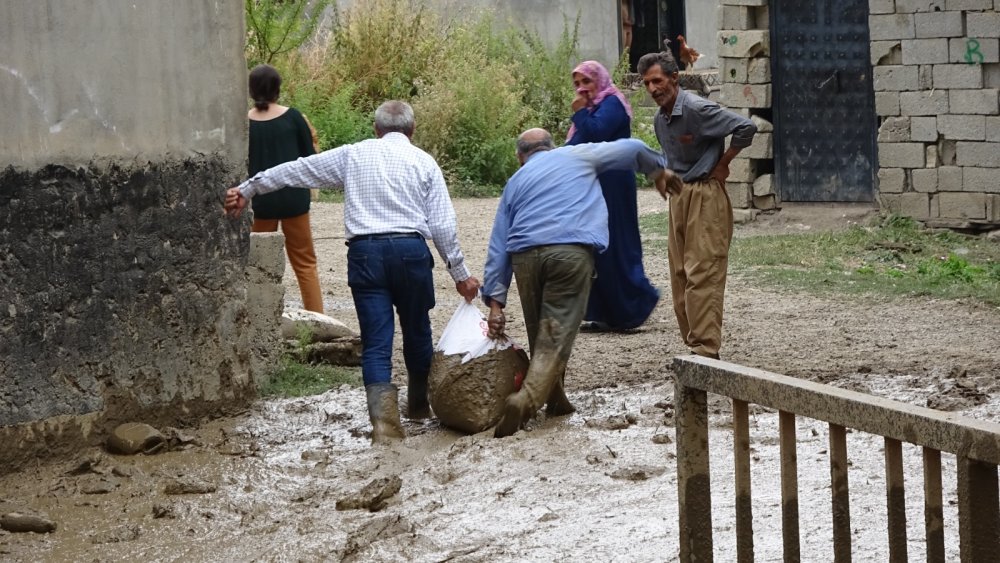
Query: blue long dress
{"x": 622, "y": 296}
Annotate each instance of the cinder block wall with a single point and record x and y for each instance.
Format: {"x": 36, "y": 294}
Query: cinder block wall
{"x": 936, "y": 73}
{"x": 123, "y": 291}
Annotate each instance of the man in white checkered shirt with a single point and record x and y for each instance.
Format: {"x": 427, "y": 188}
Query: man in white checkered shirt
{"x": 395, "y": 197}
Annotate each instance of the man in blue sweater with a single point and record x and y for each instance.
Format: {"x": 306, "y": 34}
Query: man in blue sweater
{"x": 551, "y": 221}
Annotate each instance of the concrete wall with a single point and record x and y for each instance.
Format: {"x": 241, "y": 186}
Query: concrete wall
{"x": 599, "y": 25}
{"x": 122, "y": 287}
{"x": 702, "y": 22}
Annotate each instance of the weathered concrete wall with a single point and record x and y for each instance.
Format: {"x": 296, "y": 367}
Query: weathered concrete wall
{"x": 599, "y": 32}
{"x": 122, "y": 287}
{"x": 702, "y": 22}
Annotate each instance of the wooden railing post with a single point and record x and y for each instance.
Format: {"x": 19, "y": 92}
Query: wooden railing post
{"x": 978, "y": 511}
{"x": 694, "y": 489}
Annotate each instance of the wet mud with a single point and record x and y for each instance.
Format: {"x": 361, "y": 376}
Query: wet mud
{"x": 598, "y": 485}
{"x": 470, "y": 397}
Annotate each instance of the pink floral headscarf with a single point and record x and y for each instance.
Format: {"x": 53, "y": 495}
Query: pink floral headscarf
{"x": 605, "y": 87}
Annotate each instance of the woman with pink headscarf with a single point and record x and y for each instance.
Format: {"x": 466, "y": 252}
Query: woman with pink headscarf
{"x": 622, "y": 296}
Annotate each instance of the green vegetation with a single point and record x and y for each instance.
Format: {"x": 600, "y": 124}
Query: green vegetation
{"x": 891, "y": 257}
{"x": 474, "y": 82}
{"x": 296, "y": 378}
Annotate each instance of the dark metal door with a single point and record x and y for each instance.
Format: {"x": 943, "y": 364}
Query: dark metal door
{"x": 824, "y": 114}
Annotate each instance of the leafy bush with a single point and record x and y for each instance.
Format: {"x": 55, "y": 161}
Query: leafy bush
{"x": 277, "y": 27}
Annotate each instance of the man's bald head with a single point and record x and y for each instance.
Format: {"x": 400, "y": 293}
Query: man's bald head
{"x": 532, "y": 141}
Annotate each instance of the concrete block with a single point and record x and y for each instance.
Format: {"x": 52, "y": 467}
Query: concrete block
{"x": 993, "y": 208}
{"x": 962, "y": 127}
{"x": 887, "y": 103}
{"x": 267, "y": 255}
{"x": 950, "y": 178}
{"x": 896, "y": 78}
{"x": 973, "y": 50}
{"x": 744, "y": 2}
{"x": 765, "y": 202}
{"x": 914, "y": 6}
{"x": 925, "y": 77}
{"x": 739, "y": 193}
{"x": 881, "y": 6}
{"x": 969, "y": 153}
{"x": 915, "y": 205}
{"x": 746, "y": 95}
{"x": 925, "y": 51}
{"x": 992, "y": 129}
{"x": 891, "y": 26}
{"x": 762, "y": 14}
{"x": 923, "y": 129}
{"x": 934, "y": 213}
{"x": 982, "y": 24}
{"x": 761, "y": 148}
{"x": 968, "y": 4}
{"x": 894, "y": 130}
{"x": 886, "y": 53}
{"x": 938, "y": 24}
{"x": 924, "y": 180}
{"x": 891, "y": 180}
{"x": 744, "y": 44}
{"x": 952, "y": 205}
{"x": 759, "y": 70}
{"x": 931, "y": 160}
{"x": 958, "y": 76}
{"x": 763, "y": 125}
{"x": 737, "y": 18}
{"x": 901, "y": 155}
{"x": 741, "y": 216}
{"x": 933, "y": 102}
{"x": 763, "y": 185}
{"x": 742, "y": 170}
{"x": 991, "y": 75}
{"x": 985, "y": 101}
{"x": 733, "y": 70}
{"x": 986, "y": 180}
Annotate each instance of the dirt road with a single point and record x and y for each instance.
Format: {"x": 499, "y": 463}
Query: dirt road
{"x": 598, "y": 486}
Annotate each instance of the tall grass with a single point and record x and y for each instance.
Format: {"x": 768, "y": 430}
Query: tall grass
{"x": 475, "y": 82}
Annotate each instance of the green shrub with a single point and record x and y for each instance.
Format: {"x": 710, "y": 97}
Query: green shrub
{"x": 277, "y": 27}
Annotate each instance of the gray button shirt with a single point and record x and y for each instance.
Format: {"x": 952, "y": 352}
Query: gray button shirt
{"x": 693, "y": 136}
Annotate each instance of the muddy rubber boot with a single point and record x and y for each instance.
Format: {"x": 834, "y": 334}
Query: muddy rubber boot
{"x": 417, "y": 407}
{"x": 558, "y": 404}
{"x": 383, "y": 410}
{"x": 521, "y": 406}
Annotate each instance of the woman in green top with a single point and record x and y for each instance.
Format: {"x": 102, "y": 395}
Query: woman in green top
{"x": 279, "y": 134}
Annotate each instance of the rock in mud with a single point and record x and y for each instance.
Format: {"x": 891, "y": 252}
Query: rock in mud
{"x": 638, "y": 473}
{"x": 373, "y": 496}
{"x": 96, "y": 485}
{"x": 369, "y": 533}
{"x": 135, "y": 437}
{"x": 320, "y": 327}
{"x": 17, "y": 522}
{"x": 178, "y": 440}
{"x": 662, "y": 439}
{"x": 339, "y": 352}
{"x": 164, "y": 511}
{"x": 123, "y": 533}
{"x": 613, "y": 422}
{"x": 189, "y": 486}
{"x": 469, "y": 397}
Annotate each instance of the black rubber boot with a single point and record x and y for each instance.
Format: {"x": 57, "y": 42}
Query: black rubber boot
{"x": 383, "y": 410}
{"x": 417, "y": 407}
{"x": 558, "y": 404}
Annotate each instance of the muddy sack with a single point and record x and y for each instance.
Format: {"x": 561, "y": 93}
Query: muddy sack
{"x": 469, "y": 396}
{"x": 472, "y": 374}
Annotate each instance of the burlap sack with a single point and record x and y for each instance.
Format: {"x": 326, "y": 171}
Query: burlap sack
{"x": 470, "y": 397}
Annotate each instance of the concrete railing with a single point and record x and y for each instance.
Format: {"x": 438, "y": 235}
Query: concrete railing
{"x": 976, "y": 445}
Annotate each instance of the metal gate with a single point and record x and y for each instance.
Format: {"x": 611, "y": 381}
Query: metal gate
{"x": 824, "y": 115}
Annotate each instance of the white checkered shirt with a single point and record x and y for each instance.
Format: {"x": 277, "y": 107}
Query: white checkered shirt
{"x": 390, "y": 186}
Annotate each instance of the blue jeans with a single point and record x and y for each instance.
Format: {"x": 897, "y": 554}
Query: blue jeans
{"x": 387, "y": 273}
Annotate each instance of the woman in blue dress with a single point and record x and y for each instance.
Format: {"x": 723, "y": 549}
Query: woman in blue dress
{"x": 622, "y": 296}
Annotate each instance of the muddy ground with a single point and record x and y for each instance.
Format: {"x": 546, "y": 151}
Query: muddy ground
{"x": 286, "y": 481}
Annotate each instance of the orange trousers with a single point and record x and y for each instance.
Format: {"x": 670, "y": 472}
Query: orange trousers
{"x": 701, "y": 228}
{"x": 302, "y": 256}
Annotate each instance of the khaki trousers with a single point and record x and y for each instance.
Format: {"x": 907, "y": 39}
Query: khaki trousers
{"x": 554, "y": 284}
{"x": 302, "y": 256}
{"x": 701, "y": 228}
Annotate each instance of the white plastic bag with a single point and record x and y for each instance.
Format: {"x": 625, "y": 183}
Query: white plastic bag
{"x": 467, "y": 333}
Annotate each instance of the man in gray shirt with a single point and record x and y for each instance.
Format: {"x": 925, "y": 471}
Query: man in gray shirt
{"x": 692, "y": 133}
